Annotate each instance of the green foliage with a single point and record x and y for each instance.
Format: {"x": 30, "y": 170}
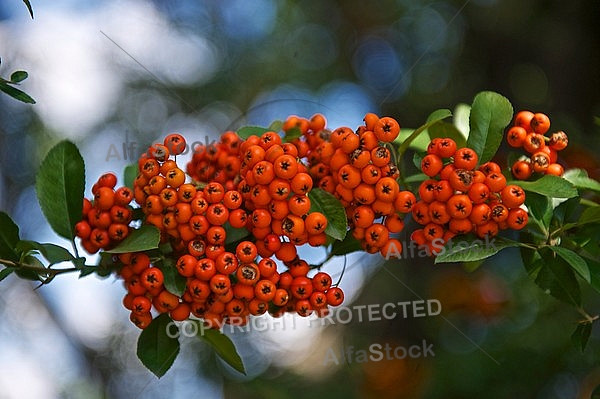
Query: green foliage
{"x": 174, "y": 282}
{"x": 470, "y": 248}
{"x": 348, "y": 245}
{"x": 156, "y": 347}
{"x": 129, "y": 175}
{"x": 550, "y": 186}
{"x": 490, "y": 114}
{"x": 145, "y": 238}
{"x": 223, "y": 346}
{"x": 9, "y": 237}
{"x": 406, "y": 141}
{"x": 331, "y": 207}
{"x": 581, "y": 335}
{"x": 60, "y": 184}
{"x": 247, "y": 131}
{"x": 29, "y": 8}
{"x": 51, "y": 252}
{"x": 580, "y": 179}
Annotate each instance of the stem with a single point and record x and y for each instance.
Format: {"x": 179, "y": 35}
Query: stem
{"x": 406, "y": 143}
{"x": 343, "y": 270}
{"x": 75, "y": 251}
{"x": 51, "y": 273}
{"x": 588, "y": 318}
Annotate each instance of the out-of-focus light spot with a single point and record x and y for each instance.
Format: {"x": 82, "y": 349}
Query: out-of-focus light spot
{"x": 277, "y": 104}
{"x": 152, "y": 114}
{"x": 244, "y": 20}
{"x": 82, "y": 60}
{"x": 431, "y": 74}
{"x": 379, "y": 67}
{"x": 566, "y": 386}
{"x": 452, "y": 335}
{"x": 28, "y": 216}
{"x": 311, "y": 47}
{"x": 219, "y": 115}
{"x": 14, "y": 366}
{"x": 91, "y": 324}
{"x": 426, "y": 28}
{"x": 16, "y": 153}
{"x": 349, "y": 103}
{"x": 529, "y": 84}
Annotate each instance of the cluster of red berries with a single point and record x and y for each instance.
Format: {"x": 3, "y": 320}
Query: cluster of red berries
{"x": 275, "y": 189}
{"x": 529, "y": 132}
{"x": 262, "y": 185}
{"x": 217, "y": 162}
{"x": 460, "y": 198}
{"x": 359, "y": 169}
{"x": 106, "y": 220}
{"x": 225, "y": 288}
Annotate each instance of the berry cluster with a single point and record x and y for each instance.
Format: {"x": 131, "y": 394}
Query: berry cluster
{"x": 217, "y": 162}
{"x": 274, "y": 186}
{"x": 106, "y": 220}
{"x": 358, "y": 168}
{"x": 461, "y": 198}
{"x": 529, "y": 132}
{"x": 227, "y": 285}
{"x": 260, "y": 188}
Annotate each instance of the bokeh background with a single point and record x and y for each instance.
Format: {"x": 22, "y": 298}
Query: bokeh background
{"x": 110, "y": 72}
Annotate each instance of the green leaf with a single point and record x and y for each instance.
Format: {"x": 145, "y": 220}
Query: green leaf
{"x": 332, "y": 208}
{"x": 16, "y": 93}
{"x": 461, "y": 118}
{"x": 247, "y": 131}
{"x": 88, "y": 270}
{"x": 174, "y": 282}
{"x": 143, "y": 239}
{"x": 29, "y": 8}
{"x": 439, "y": 115}
{"x": 418, "y": 158}
{"x": 129, "y": 175}
{"x": 418, "y": 143}
{"x": 406, "y": 137}
{"x": 60, "y": 184}
{"x": 581, "y": 335}
{"x": 540, "y": 210}
{"x": 276, "y": 126}
{"x": 348, "y": 245}
{"x": 157, "y": 348}
{"x": 550, "y": 186}
{"x": 575, "y": 261}
{"x": 9, "y": 237}
{"x": 28, "y": 274}
{"x": 471, "y": 249}
{"x": 233, "y": 234}
{"x": 594, "y": 268}
{"x": 445, "y": 129}
{"x": 590, "y": 215}
{"x": 222, "y": 346}
{"x": 557, "y": 278}
{"x": 51, "y": 252}
{"x": 416, "y": 178}
{"x": 4, "y": 273}
{"x": 18, "y": 76}
{"x": 579, "y": 178}
{"x": 566, "y": 211}
{"x": 292, "y": 134}
{"x": 490, "y": 114}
